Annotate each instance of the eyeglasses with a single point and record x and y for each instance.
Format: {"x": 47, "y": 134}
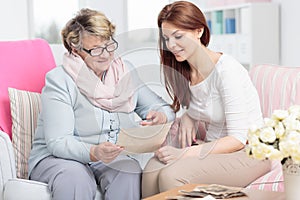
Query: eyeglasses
{"x": 110, "y": 47}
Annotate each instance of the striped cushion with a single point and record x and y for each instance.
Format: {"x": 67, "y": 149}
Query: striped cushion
{"x": 272, "y": 181}
{"x": 278, "y": 87}
{"x": 25, "y": 107}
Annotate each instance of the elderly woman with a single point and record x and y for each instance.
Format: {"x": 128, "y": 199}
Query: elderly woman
{"x": 83, "y": 104}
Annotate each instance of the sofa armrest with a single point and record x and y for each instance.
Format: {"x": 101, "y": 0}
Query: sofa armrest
{"x": 7, "y": 161}
{"x": 16, "y": 189}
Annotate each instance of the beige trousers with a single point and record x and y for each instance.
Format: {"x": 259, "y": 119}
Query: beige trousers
{"x": 233, "y": 169}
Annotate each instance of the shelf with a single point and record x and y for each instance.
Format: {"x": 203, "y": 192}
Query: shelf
{"x": 249, "y": 32}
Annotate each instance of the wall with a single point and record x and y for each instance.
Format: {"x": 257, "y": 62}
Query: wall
{"x": 290, "y": 32}
{"x": 14, "y": 23}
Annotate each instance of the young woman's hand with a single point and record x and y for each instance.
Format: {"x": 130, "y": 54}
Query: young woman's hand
{"x": 154, "y": 117}
{"x": 187, "y": 130}
{"x": 106, "y": 152}
{"x": 168, "y": 154}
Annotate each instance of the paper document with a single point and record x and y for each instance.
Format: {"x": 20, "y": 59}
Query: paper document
{"x": 143, "y": 139}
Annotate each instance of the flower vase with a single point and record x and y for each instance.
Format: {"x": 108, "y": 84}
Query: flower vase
{"x": 291, "y": 174}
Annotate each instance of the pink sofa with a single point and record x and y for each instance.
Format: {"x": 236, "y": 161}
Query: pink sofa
{"x": 23, "y": 65}
{"x": 278, "y": 88}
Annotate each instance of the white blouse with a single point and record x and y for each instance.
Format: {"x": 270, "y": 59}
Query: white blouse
{"x": 226, "y": 101}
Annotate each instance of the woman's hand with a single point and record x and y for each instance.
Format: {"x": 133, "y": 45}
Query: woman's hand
{"x": 106, "y": 152}
{"x": 154, "y": 117}
{"x": 187, "y": 130}
{"x": 168, "y": 154}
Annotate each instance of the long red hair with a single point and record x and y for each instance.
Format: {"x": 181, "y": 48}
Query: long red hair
{"x": 187, "y": 16}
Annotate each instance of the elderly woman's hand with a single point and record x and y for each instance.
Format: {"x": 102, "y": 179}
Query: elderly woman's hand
{"x": 154, "y": 117}
{"x": 106, "y": 152}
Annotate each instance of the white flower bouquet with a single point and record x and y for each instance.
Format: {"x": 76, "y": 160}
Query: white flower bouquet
{"x": 278, "y": 138}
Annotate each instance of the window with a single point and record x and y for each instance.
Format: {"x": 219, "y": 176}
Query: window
{"x": 49, "y": 17}
{"x": 144, "y": 13}
{"x": 142, "y": 20}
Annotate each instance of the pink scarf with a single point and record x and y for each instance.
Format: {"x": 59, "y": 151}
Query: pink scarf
{"x": 114, "y": 95}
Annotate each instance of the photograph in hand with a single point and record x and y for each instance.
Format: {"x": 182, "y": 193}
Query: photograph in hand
{"x": 143, "y": 139}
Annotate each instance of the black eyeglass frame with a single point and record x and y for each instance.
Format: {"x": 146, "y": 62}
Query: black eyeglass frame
{"x": 89, "y": 51}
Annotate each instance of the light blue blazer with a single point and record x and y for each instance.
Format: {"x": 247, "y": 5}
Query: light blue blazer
{"x": 69, "y": 124}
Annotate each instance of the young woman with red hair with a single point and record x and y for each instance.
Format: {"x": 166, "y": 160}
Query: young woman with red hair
{"x": 217, "y": 92}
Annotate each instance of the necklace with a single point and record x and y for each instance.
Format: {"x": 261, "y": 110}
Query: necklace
{"x": 103, "y": 76}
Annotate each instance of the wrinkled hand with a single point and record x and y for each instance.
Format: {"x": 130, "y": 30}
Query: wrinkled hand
{"x": 187, "y": 130}
{"x": 168, "y": 154}
{"x": 106, "y": 152}
{"x": 154, "y": 117}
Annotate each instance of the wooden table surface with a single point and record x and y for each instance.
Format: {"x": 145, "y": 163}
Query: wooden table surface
{"x": 251, "y": 194}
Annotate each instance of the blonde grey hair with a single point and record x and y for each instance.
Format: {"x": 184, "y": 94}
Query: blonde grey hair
{"x": 86, "y": 21}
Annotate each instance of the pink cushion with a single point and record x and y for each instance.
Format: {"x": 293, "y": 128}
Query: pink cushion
{"x": 272, "y": 181}
{"x": 278, "y": 87}
{"x": 23, "y": 65}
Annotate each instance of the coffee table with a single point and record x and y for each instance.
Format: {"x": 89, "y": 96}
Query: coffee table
{"x": 251, "y": 194}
